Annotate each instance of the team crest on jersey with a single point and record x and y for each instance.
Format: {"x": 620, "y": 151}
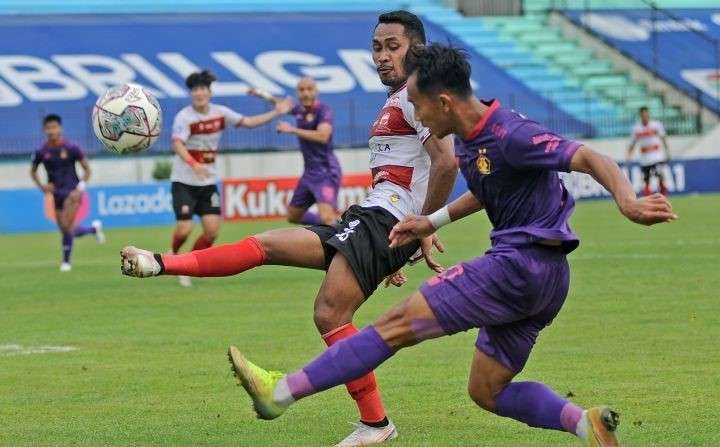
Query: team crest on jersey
{"x": 394, "y": 198}
{"x": 309, "y": 117}
{"x": 483, "y": 162}
{"x": 63, "y": 154}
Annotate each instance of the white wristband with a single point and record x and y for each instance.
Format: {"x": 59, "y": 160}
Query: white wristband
{"x": 81, "y": 186}
{"x": 440, "y": 217}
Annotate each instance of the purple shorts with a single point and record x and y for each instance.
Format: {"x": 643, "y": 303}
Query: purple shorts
{"x": 510, "y": 293}
{"x": 310, "y": 190}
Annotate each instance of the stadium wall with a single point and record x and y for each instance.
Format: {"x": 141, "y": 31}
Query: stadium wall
{"x": 259, "y": 185}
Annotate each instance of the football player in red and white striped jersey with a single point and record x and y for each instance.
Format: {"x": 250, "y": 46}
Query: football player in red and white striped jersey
{"x": 196, "y": 134}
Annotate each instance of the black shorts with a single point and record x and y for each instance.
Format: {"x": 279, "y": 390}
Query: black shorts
{"x": 361, "y": 235}
{"x": 189, "y": 200}
{"x": 654, "y": 170}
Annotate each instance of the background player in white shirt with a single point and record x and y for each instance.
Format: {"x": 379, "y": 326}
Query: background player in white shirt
{"x": 196, "y": 134}
{"x": 648, "y": 134}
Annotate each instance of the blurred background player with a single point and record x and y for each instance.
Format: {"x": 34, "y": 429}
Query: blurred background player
{"x": 320, "y": 181}
{"x": 648, "y": 134}
{"x": 196, "y": 134}
{"x": 58, "y": 157}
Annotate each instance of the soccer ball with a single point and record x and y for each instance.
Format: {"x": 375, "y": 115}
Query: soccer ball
{"x": 127, "y": 119}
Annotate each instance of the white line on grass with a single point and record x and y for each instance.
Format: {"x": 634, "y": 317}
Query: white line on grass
{"x": 11, "y": 350}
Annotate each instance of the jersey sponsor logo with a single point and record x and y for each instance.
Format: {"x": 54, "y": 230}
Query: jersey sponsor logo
{"x": 208, "y": 126}
{"x": 391, "y": 122}
{"x": 648, "y": 149}
{"x": 647, "y": 132}
{"x": 483, "y": 162}
{"x": 309, "y": 117}
{"x": 552, "y": 140}
{"x": 447, "y": 275}
{"x": 400, "y": 175}
{"x": 347, "y": 231}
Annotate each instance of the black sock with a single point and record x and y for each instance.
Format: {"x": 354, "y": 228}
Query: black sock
{"x": 158, "y": 258}
{"x": 379, "y": 424}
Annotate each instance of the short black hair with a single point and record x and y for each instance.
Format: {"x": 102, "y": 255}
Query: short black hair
{"x": 200, "y": 78}
{"x": 414, "y": 28}
{"x": 643, "y": 109}
{"x": 52, "y": 117}
{"x": 439, "y": 67}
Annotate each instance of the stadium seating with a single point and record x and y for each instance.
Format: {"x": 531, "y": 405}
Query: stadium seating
{"x": 540, "y": 6}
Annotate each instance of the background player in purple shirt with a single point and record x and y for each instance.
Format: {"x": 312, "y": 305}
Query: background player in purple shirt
{"x": 320, "y": 181}
{"x": 513, "y": 291}
{"x": 59, "y": 157}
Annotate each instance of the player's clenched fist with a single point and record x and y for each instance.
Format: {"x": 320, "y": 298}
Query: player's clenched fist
{"x": 649, "y": 210}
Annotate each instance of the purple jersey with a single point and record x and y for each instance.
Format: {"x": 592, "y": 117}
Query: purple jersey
{"x": 510, "y": 164}
{"x": 59, "y": 162}
{"x": 320, "y": 160}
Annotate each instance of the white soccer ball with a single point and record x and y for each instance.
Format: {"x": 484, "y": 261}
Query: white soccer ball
{"x": 127, "y": 119}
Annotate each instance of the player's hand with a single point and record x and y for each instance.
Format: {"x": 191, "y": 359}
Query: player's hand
{"x": 409, "y": 229}
{"x": 397, "y": 279}
{"x": 426, "y": 245}
{"x": 284, "y": 127}
{"x": 201, "y": 170}
{"x": 284, "y": 106}
{"x": 48, "y": 188}
{"x": 649, "y": 210}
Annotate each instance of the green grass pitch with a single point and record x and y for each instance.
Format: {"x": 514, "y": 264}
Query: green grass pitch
{"x": 640, "y": 331}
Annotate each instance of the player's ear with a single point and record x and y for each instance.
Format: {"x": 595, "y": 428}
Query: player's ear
{"x": 445, "y": 102}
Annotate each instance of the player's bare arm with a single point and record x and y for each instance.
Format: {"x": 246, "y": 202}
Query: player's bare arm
{"x": 182, "y": 151}
{"x": 282, "y": 107}
{"x": 321, "y": 135}
{"x": 44, "y": 187}
{"x": 666, "y": 147}
{"x": 418, "y": 227}
{"x": 443, "y": 171}
{"x": 646, "y": 210}
{"x": 630, "y": 149}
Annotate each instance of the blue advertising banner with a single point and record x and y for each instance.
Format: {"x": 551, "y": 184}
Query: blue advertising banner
{"x": 27, "y": 210}
{"x": 61, "y": 64}
{"x": 682, "y": 49}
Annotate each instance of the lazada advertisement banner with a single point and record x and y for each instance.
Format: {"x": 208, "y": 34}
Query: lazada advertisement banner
{"x": 263, "y": 198}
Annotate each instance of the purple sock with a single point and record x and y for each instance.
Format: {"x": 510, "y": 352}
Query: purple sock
{"x": 345, "y": 361}
{"x": 82, "y": 231}
{"x": 67, "y": 244}
{"x": 310, "y": 218}
{"x": 537, "y": 406}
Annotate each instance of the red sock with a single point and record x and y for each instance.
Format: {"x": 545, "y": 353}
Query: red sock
{"x": 663, "y": 189}
{"x": 223, "y": 260}
{"x": 364, "y": 390}
{"x": 646, "y": 191}
{"x": 177, "y": 241}
{"x": 202, "y": 243}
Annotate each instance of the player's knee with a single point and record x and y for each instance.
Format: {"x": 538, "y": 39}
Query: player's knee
{"x": 483, "y": 396}
{"x": 211, "y": 235}
{"x": 329, "y": 316}
{"x": 328, "y": 218}
{"x": 395, "y": 327}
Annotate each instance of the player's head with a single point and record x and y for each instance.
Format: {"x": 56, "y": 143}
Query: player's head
{"x": 199, "y": 85}
{"x": 439, "y": 80}
{"x": 52, "y": 126}
{"x": 644, "y": 113}
{"x": 395, "y": 33}
{"x": 307, "y": 91}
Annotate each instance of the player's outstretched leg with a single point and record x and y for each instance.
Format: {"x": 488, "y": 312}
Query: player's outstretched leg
{"x": 297, "y": 247}
{"x": 345, "y": 361}
{"x": 534, "y": 403}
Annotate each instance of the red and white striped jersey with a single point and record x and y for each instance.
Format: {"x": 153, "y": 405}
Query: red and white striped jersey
{"x": 648, "y": 138}
{"x": 201, "y": 134}
{"x": 399, "y": 163}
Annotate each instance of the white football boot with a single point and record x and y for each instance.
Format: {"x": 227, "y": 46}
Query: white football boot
{"x": 99, "y": 234}
{"x": 367, "y": 435}
{"x": 139, "y": 263}
{"x": 65, "y": 267}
